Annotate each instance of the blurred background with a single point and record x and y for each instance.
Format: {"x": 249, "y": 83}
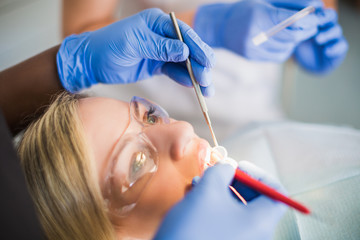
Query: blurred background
{"x": 28, "y": 27}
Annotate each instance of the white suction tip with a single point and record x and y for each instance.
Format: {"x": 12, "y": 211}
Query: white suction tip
{"x": 259, "y": 39}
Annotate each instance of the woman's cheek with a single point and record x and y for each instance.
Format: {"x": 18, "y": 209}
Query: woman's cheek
{"x": 166, "y": 187}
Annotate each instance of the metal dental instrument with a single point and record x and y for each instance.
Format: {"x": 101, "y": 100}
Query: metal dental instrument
{"x": 194, "y": 82}
{"x": 264, "y": 36}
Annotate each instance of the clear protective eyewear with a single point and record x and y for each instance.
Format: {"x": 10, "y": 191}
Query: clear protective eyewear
{"x": 134, "y": 159}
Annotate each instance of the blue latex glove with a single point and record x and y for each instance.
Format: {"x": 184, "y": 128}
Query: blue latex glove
{"x": 233, "y": 25}
{"x": 210, "y": 211}
{"x": 325, "y": 51}
{"x": 133, "y": 49}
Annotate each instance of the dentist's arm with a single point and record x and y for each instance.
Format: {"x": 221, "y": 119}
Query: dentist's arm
{"x": 27, "y": 86}
{"x": 87, "y": 15}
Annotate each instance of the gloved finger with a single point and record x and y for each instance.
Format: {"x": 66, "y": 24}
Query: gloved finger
{"x": 327, "y": 35}
{"x": 261, "y": 175}
{"x": 276, "y": 45}
{"x": 257, "y": 173}
{"x": 326, "y": 16}
{"x": 336, "y": 48}
{"x": 208, "y": 91}
{"x": 201, "y": 73}
{"x": 296, "y": 5}
{"x": 199, "y": 50}
{"x": 271, "y": 209}
{"x": 163, "y": 26}
{"x": 163, "y": 49}
{"x": 299, "y": 31}
{"x": 275, "y": 50}
{"x": 178, "y": 73}
{"x": 275, "y": 54}
{"x": 218, "y": 176}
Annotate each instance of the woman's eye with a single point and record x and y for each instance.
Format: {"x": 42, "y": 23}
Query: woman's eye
{"x": 150, "y": 117}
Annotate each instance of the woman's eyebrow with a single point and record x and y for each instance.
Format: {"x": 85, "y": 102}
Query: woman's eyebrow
{"x": 136, "y": 104}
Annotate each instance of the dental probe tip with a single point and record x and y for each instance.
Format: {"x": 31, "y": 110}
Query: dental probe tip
{"x": 213, "y": 136}
{"x": 208, "y": 122}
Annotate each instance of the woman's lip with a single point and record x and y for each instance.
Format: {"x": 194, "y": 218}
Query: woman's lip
{"x": 203, "y": 148}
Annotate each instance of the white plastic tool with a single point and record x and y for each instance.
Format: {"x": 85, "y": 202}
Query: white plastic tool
{"x": 264, "y": 36}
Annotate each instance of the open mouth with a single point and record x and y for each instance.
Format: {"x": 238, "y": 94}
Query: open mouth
{"x": 203, "y": 155}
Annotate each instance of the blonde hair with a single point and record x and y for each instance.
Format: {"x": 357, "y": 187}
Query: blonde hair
{"x": 60, "y": 175}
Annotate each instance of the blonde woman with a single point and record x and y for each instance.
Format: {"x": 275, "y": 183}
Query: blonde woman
{"x": 99, "y": 168}
{"x": 69, "y": 154}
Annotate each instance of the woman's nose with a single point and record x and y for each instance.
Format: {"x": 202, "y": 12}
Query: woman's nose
{"x": 171, "y": 139}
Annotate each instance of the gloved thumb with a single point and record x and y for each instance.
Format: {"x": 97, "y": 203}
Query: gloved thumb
{"x": 163, "y": 49}
{"x": 261, "y": 175}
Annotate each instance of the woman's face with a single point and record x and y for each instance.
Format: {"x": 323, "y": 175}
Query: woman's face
{"x": 180, "y": 157}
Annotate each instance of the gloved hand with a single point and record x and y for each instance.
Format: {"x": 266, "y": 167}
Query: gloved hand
{"x": 133, "y": 49}
{"x": 210, "y": 211}
{"x": 233, "y": 25}
{"x": 327, "y": 49}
